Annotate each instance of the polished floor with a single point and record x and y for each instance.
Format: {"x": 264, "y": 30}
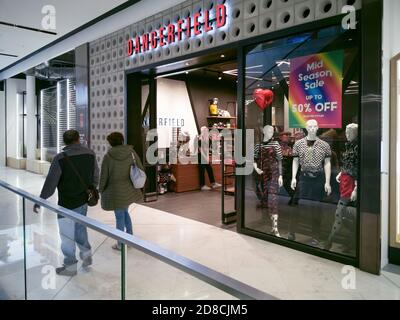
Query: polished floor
{"x": 279, "y": 271}
{"x": 192, "y": 205}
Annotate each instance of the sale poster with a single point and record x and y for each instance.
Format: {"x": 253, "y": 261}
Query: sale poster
{"x": 316, "y": 90}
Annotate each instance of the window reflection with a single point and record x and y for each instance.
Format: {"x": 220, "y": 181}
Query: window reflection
{"x": 302, "y": 102}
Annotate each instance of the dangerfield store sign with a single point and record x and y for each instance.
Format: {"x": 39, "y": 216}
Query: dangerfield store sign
{"x": 192, "y": 26}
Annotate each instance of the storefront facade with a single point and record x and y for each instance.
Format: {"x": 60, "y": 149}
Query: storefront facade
{"x": 316, "y": 69}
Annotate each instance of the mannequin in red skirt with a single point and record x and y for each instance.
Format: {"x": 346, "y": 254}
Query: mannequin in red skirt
{"x": 346, "y": 211}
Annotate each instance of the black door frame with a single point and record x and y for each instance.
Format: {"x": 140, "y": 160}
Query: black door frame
{"x": 134, "y": 97}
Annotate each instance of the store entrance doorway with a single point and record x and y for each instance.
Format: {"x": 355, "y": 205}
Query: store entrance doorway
{"x": 185, "y": 102}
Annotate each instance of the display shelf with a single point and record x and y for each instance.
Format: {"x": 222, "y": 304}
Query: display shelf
{"x": 220, "y": 128}
{"x": 218, "y": 117}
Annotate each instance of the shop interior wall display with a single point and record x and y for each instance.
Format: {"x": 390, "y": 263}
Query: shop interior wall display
{"x": 179, "y": 111}
{"x": 246, "y": 19}
{"x": 201, "y": 91}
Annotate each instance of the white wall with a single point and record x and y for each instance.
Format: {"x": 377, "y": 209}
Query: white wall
{"x": 13, "y": 87}
{"x": 2, "y": 129}
{"x": 391, "y": 47}
{"x": 173, "y": 102}
{"x": 113, "y": 23}
{"x": 31, "y": 121}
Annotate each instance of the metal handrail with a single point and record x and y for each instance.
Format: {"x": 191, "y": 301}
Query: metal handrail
{"x": 218, "y": 280}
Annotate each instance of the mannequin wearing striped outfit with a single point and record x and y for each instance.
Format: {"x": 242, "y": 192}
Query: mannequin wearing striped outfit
{"x": 268, "y": 166}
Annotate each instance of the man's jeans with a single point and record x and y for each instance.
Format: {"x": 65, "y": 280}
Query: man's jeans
{"x": 72, "y": 233}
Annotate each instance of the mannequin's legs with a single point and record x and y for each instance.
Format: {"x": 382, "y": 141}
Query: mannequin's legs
{"x": 273, "y": 188}
{"x": 274, "y": 230}
{"x": 339, "y": 214}
{"x": 316, "y": 222}
{"x": 349, "y": 222}
{"x": 294, "y": 213}
{"x": 273, "y": 211}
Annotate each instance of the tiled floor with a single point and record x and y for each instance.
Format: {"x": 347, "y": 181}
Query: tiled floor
{"x": 192, "y": 205}
{"x": 282, "y": 272}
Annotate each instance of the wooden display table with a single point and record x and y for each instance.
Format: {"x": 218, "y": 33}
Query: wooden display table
{"x": 187, "y": 177}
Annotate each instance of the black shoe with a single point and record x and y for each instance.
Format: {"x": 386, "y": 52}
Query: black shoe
{"x": 68, "y": 271}
{"x": 87, "y": 262}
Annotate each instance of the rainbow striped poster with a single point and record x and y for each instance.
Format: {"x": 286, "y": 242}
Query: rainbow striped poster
{"x": 315, "y": 90}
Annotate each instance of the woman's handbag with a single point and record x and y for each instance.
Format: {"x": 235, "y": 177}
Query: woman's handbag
{"x": 138, "y": 176}
{"x": 91, "y": 191}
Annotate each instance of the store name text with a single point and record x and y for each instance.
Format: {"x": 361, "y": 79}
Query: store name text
{"x": 189, "y": 27}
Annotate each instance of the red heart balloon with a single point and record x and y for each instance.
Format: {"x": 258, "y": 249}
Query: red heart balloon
{"x": 263, "y": 97}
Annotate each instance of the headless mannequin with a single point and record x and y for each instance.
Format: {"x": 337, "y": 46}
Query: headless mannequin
{"x": 347, "y": 179}
{"x": 268, "y": 133}
{"x": 310, "y": 186}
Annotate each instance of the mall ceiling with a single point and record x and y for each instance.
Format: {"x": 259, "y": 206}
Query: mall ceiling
{"x": 21, "y": 30}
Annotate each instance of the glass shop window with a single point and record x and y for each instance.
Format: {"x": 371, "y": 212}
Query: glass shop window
{"x": 302, "y": 100}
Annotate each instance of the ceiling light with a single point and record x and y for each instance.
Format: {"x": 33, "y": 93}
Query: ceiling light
{"x": 222, "y": 56}
{"x": 279, "y": 63}
{"x": 187, "y": 72}
{"x": 219, "y": 76}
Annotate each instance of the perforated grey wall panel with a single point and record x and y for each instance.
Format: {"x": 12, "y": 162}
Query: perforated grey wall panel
{"x": 246, "y": 19}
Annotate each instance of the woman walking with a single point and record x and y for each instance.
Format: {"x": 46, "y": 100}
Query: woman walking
{"x": 116, "y": 188}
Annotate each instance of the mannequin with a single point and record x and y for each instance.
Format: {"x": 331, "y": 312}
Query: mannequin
{"x": 268, "y": 166}
{"x": 314, "y": 157}
{"x": 347, "y": 178}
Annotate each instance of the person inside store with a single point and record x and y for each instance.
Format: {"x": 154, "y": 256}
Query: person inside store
{"x": 313, "y": 155}
{"x": 116, "y": 188}
{"x": 346, "y": 211}
{"x": 203, "y": 154}
{"x": 71, "y": 172}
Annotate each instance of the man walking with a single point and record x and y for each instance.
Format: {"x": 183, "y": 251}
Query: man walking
{"x": 63, "y": 175}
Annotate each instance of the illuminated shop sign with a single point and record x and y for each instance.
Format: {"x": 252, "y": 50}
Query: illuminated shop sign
{"x": 192, "y": 26}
